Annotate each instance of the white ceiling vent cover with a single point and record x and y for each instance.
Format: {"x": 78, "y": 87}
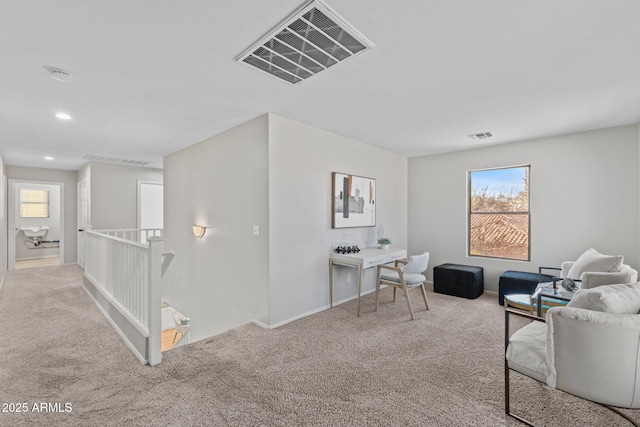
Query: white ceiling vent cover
{"x": 481, "y": 135}
{"x": 311, "y": 40}
{"x": 105, "y": 159}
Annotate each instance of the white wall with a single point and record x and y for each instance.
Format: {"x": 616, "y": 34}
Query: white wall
{"x": 69, "y": 179}
{"x": 3, "y": 221}
{"x": 113, "y": 193}
{"x": 301, "y": 160}
{"x": 274, "y": 173}
{"x": 584, "y": 192}
{"x": 53, "y": 222}
{"x": 221, "y": 280}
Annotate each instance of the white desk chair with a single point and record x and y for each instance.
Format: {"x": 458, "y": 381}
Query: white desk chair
{"x": 406, "y": 277}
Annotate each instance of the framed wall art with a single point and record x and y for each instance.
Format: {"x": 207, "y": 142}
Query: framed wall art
{"x": 353, "y": 201}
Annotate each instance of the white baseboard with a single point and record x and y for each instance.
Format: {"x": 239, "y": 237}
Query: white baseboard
{"x": 115, "y": 326}
{"x": 260, "y": 324}
{"x": 300, "y": 316}
{"x": 314, "y": 311}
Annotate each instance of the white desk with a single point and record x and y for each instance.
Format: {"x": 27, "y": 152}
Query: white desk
{"x": 366, "y": 258}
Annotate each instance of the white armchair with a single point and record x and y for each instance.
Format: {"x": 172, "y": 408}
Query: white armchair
{"x": 594, "y": 355}
{"x": 588, "y": 348}
{"x": 591, "y": 279}
{"x": 593, "y": 269}
{"x": 404, "y": 277}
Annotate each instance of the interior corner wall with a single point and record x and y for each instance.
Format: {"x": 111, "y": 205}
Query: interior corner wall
{"x": 584, "y": 192}
{"x": 114, "y": 193}
{"x": 301, "y": 160}
{"x": 69, "y": 178}
{"x": 220, "y": 281}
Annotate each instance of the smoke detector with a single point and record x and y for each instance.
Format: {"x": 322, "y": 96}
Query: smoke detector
{"x": 306, "y": 43}
{"x": 58, "y": 73}
{"x": 481, "y": 135}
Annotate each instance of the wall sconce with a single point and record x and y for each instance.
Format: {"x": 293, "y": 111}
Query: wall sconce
{"x": 199, "y": 230}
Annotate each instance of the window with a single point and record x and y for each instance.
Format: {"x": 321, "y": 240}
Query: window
{"x": 499, "y": 213}
{"x": 34, "y": 203}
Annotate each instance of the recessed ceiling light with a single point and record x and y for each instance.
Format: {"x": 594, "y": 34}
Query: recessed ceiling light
{"x": 63, "y": 116}
{"x": 48, "y": 158}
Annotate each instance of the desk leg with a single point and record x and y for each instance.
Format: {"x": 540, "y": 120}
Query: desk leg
{"x": 331, "y": 283}
{"x": 359, "y": 284}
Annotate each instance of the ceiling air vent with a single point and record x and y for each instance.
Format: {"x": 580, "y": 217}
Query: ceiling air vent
{"x": 309, "y": 41}
{"x": 103, "y": 159}
{"x": 481, "y": 135}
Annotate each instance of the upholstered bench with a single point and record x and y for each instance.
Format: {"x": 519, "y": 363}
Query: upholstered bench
{"x": 519, "y": 282}
{"x": 465, "y": 281}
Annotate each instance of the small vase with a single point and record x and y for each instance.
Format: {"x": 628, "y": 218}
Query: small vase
{"x": 385, "y": 247}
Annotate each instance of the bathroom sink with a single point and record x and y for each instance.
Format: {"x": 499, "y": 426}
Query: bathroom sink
{"x": 35, "y": 231}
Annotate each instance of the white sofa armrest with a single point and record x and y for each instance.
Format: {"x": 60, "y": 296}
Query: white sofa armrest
{"x": 592, "y": 279}
{"x": 594, "y": 355}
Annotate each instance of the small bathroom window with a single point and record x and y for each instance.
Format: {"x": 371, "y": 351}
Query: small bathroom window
{"x": 34, "y": 203}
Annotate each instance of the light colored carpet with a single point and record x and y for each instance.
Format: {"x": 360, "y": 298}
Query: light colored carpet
{"x": 330, "y": 369}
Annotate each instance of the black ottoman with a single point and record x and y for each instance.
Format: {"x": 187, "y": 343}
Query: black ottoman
{"x": 458, "y": 280}
{"x": 519, "y": 282}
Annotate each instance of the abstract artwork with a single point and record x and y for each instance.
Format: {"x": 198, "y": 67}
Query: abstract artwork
{"x": 354, "y": 201}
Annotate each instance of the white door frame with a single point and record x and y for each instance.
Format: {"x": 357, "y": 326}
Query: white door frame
{"x": 13, "y": 208}
{"x": 83, "y": 192}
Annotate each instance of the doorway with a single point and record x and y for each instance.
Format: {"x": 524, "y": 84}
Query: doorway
{"x": 150, "y": 204}
{"x": 36, "y": 224}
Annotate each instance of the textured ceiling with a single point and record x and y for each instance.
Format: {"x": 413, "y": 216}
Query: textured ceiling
{"x": 153, "y": 77}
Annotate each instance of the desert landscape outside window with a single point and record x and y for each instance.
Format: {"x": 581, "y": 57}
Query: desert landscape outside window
{"x": 499, "y": 213}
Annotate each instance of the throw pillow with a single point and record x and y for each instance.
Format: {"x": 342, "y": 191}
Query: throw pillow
{"x": 594, "y": 261}
{"x": 622, "y": 299}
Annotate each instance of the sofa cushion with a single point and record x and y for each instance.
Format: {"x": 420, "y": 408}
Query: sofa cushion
{"x": 593, "y": 261}
{"x": 526, "y": 351}
{"x": 622, "y": 299}
{"x": 409, "y": 279}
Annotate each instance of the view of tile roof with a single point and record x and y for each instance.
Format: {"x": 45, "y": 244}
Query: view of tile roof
{"x": 490, "y": 229}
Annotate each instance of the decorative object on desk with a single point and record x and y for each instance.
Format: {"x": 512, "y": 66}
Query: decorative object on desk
{"x": 347, "y": 249}
{"x": 353, "y": 201}
{"x": 384, "y": 243}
